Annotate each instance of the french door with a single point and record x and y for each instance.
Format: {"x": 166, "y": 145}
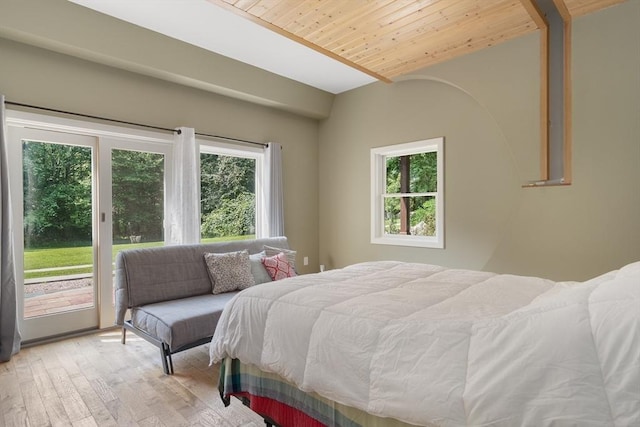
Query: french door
{"x": 78, "y": 199}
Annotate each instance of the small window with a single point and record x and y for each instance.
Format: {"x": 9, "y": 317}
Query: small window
{"x": 407, "y": 199}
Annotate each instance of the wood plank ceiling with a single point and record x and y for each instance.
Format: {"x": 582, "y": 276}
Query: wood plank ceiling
{"x": 391, "y": 38}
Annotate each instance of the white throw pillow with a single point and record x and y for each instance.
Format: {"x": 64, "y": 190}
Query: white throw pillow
{"x": 258, "y": 271}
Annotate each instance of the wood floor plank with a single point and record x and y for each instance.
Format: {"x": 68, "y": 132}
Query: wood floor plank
{"x": 102, "y": 389}
{"x": 95, "y": 380}
{"x": 16, "y": 417}
{"x": 55, "y": 410}
{"x": 12, "y": 405}
{"x": 121, "y": 413}
{"x": 36, "y": 411}
{"x": 94, "y": 403}
{"x": 71, "y": 400}
{"x": 209, "y": 418}
{"x": 85, "y": 422}
{"x": 152, "y": 421}
{"x": 42, "y": 380}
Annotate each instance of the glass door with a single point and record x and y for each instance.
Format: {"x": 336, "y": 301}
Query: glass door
{"x": 132, "y": 192}
{"x": 78, "y": 199}
{"x": 54, "y": 193}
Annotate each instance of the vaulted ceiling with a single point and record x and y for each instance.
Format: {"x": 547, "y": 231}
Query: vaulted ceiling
{"x": 390, "y": 38}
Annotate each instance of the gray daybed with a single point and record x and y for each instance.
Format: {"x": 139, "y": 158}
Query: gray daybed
{"x": 168, "y": 292}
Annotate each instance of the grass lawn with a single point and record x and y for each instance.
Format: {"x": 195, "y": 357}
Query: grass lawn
{"x": 36, "y": 259}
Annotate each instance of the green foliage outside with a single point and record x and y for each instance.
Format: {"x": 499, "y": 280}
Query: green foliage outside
{"x": 422, "y": 179}
{"x": 137, "y": 195}
{"x": 57, "y": 193}
{"x": 232, "y": 217}
{"x": 227, "y": 196}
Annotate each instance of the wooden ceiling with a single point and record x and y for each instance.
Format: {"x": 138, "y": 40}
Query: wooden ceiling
{"x": 391, "y": 38}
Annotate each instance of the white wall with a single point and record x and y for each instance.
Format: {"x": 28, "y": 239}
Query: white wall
{"x": 486, "y": 105}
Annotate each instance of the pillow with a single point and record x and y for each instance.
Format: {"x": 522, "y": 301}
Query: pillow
{"x": 258, "y": 271}
{"x": 229, "y": 271}
{"x": 278, "y": 266}
{"x": 291, "y": 255}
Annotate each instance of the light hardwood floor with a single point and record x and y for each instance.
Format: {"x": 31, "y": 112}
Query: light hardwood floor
{"x": 95, "y": 380}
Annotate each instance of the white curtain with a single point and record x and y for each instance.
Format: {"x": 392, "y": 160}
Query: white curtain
{"x": 274, "y": 194}
{"x": 184, "y": 204}
{"x": 9, "y": 334}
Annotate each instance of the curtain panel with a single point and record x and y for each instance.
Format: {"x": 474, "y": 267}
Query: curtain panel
{"x": 274, "y": 191}
{"x": 9, "y": 333}
{"x": 184, "y": 206}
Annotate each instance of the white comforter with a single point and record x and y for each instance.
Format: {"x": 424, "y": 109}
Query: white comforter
{"x": 429, "y": 345}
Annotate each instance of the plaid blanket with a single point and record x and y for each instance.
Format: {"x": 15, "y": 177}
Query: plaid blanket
{"x": 284, "y": 404}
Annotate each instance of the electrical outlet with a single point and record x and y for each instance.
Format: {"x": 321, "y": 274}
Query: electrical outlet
{"x": 305, "y": 260}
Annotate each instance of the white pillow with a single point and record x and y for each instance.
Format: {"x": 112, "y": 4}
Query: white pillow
{"x": 260, "y": 274}
{"x": 229, "y": 271}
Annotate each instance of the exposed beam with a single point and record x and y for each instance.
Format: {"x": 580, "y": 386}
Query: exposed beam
{"x": 554, "y": 21}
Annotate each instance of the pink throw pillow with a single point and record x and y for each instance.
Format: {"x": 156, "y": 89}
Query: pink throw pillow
{"x": 278, "y": 266}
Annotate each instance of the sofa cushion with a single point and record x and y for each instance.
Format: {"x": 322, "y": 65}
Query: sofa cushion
{"x": 182, "y": 321}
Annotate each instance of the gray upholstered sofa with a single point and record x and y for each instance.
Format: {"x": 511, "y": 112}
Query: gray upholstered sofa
{"x": 168, "y": 293}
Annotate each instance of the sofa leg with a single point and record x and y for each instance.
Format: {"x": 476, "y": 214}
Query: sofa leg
{"x": 167, "y": 361}
{"x": 124, "y": 335}
{"x": 170, "y": 361}
{"x": 163, "y": 354}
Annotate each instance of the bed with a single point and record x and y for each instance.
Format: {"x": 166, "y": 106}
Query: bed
{"x": 401, "y": 344}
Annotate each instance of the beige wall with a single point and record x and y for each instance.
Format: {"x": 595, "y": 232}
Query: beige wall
{"x": 36, "y": 76}
{"x": 486, "y": 106}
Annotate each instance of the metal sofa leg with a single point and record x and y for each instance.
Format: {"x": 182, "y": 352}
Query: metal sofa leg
{"x": 124, "y": 335}
{"x": 170, "y": 361}
{"x": 163, "y": 354}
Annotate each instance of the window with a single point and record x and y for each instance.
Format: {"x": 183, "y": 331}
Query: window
{"x": 407, "y": 200}
{"x": 230, "y": 192}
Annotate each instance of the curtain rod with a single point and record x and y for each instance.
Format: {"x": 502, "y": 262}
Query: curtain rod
{"x": 178, "y": 131}
{"x": 19, "y": 104}
{"x": 232, "y": 139}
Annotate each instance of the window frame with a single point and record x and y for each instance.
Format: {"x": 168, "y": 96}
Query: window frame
{"x": 247, "y": 152}
{"x": 378, "y": 193}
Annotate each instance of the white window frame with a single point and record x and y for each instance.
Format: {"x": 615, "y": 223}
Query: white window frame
{"x": 256, "y": 153}
{"x": 378, "y": 193}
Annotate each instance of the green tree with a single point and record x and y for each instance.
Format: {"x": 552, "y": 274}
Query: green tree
{"x": 234, "y": 217}
{"x": 57, "y": 193}
{"x": 138, "y": 194}
{"x": 223, "y": 178}
{"x": 422, "y": 179}
{"x": 227, "y": 195}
